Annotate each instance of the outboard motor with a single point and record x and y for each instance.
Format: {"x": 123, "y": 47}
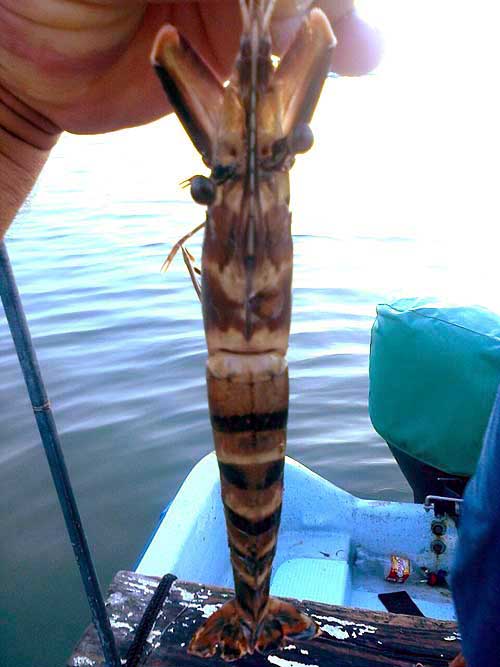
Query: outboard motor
{"x": 434, "y": 374}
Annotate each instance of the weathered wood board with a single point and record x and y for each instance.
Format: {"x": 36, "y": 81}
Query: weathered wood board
{"x": 350, "y": 637}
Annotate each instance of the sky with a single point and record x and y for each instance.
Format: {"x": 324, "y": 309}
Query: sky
{"x": 412, "y": 151}
{"x": 428, "y": 120}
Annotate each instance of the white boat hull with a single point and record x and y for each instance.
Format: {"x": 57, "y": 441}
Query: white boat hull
{"x": 333, "y": 547}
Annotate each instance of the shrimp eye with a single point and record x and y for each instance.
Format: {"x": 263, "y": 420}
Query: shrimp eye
{"x": 223, "y": 172}
{"x": 203, "y": 190}
{"x": 301, "y": 139}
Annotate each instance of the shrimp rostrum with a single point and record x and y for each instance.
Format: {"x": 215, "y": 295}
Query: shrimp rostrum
{"x": 248, "y": 133}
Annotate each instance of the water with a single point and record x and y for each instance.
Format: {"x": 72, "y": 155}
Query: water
{"x": 121, "y": 346}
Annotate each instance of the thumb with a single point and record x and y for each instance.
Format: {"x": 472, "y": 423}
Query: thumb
{"x": 359, "y": 45}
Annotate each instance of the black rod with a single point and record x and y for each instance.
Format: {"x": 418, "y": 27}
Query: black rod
{"x": 52, "y": 445}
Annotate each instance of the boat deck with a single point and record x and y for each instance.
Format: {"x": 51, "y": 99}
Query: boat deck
{"x": 350, "y": 637}
{"x": 333, "y": 548}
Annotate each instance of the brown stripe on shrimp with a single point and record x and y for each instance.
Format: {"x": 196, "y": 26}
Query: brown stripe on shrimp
{"x": 258, "y": 476}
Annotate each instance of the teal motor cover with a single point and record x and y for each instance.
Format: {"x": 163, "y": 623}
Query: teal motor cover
{"x": 434, "y": 373}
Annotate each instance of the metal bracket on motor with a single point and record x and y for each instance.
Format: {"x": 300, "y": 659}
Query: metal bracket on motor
{"x": 443, "y": 505}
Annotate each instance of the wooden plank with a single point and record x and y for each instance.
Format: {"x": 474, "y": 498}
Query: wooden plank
{"x": 128, "y": 596}
{"x": 351, "y": 637}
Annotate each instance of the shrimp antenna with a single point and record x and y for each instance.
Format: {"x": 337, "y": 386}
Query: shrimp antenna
{"x": 268, "y": 12}
{"x": 245, "y": 15}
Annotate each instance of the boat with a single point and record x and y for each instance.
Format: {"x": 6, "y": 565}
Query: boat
{"x": 343, "y": 560}
{"x": 333, "y": 548}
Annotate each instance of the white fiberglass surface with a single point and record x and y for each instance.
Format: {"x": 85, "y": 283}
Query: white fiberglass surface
{"x": 321, "y": 525}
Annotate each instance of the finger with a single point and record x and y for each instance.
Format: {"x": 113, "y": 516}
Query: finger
{"x": 359, "y": 45}
{"x": 459, "y": 661}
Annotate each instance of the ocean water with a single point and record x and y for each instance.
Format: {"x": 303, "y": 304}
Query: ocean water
{"x": 383, "y": 207}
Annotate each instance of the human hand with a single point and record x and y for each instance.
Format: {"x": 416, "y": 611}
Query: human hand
{"x": 83, "y": 66}
{"x": 458, "y": 661}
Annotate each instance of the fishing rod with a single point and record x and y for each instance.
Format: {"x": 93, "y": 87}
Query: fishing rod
{"x": 51, "y": 442}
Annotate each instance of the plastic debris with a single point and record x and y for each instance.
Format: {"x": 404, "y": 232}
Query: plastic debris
{"x": 399, "y": 569}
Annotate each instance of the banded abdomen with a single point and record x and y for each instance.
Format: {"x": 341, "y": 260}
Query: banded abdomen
{"x": 249, "y": 428}
{"x": 249, "y": 415}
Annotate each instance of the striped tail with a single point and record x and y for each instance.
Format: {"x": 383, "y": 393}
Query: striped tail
{"x": 249, "y": 426}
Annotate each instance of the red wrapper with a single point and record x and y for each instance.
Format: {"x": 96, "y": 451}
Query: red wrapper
{"x": 399, "y": 570}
